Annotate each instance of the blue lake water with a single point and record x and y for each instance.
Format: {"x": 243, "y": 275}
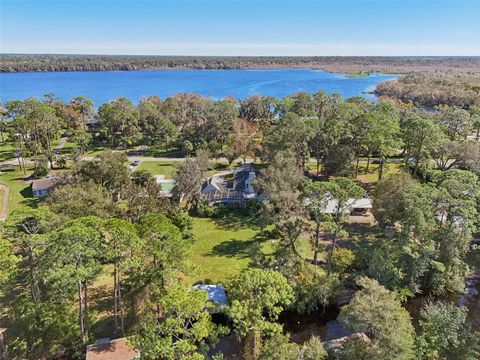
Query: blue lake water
{"x": 102, "y": 86}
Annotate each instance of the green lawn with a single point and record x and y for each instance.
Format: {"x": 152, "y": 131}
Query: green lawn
{"x": 6, "y": 152}
{"x": 372, "y": 176}
{"x": 20, "y": 190}
{"x": 166, "y": 168}
{"x": 223, "y": 247}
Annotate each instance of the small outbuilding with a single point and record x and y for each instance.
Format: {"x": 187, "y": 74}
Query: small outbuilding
{"x": 106, "y": 349}
{"x": 42, "y": 187}
{"x": 355, "y": 206}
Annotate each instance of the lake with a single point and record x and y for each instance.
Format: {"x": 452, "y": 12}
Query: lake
{"x": 102, "y": 86}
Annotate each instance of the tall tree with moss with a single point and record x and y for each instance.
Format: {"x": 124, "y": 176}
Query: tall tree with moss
{"x": 119, "y": 122}
{"x": 257, "y": 298}
{"x": 123, "y": 250}
{"x": 184, "y": 330}
{"x": 378, "y": 313}
{"x": 342, "y": 192}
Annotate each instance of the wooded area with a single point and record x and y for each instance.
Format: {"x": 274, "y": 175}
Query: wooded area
{"x": 354, "y": 64}
{"x": 106, "y": 228}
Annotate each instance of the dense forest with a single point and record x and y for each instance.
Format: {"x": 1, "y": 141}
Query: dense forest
{"x": 392, "y": 65}
{"x": 435, "y": 89}
{"x": 107, "y": 226}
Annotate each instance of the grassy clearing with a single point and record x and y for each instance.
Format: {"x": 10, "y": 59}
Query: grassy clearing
{"x": 226, "y": 246}
{"x": 372, "y": 176}
{"x": 20, "y": 190}
{"x": 166, "y": 168}
{"x": 101, "y": 304}
{"x": 6, "y": 152}
{"x": 223, "y": 247}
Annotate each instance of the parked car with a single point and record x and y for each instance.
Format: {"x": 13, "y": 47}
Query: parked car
{"x": 135, "y": 163}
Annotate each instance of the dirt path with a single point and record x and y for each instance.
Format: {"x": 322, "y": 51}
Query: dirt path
{"x": 59, "y": 147}
{"x": 5, "y": 194}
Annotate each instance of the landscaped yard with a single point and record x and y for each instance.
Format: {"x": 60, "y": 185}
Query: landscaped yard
{"x": 20, "y": 190}
{"x": 166, "y": 168}
{"x": 372, "y": 176}
{"x": 223, "y": 247}
{"x": 6, "y": 152}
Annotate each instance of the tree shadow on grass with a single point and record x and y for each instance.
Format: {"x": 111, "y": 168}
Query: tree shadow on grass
{"x": 100, "y": 302}
{"x": 240, "y": 249}
{"x": 236, "y": 220}
{"x": 28, "y": 199}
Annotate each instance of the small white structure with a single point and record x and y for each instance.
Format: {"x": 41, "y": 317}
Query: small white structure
{"x": 354, "y": 206}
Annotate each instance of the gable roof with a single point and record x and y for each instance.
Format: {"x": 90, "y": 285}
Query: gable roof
{"x": 43, "y": 184}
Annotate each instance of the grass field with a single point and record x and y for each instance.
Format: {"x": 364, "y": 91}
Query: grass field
{"x": 223, "y": 247}
{"x": 20, "y": 190}
{"x": 372, "y": 176}
{"x": 166, "y": 168}
{"x": 6, "y": 152}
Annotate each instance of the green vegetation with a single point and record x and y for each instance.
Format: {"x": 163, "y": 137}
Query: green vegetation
{"x": 20, "y": 189}
{"x": 166, "y": 168}
{"x": 106, "y": 254}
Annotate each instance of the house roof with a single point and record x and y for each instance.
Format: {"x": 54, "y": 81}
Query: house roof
{"x": 363, "y": 203}
{"x": 43, "y": 184}
{"x": 216, "y": 293}
{"x": 106, "y": 349}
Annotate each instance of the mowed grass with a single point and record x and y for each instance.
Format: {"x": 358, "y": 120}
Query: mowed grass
{"x": 169, "y": 168}
{"x": 6, "y": 152}
{"x": 166, "y": 168}
{"x": 372, "y": 176}
{"x": 19, "y": 185}
{"x": 224, "y": 247}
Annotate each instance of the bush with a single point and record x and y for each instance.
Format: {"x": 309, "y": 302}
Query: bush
{"x": 342, "y": 260}
{"x": 41, "y": 169}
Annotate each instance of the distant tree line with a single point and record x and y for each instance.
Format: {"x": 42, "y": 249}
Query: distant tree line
{"x": 393, "y": 65}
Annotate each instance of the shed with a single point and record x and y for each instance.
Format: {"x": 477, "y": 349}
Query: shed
{"x": 42, "y": 187}
{"x": 356, "y": 206}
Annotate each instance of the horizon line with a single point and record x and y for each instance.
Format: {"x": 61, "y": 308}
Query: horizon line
{"x": 233, "y": 56}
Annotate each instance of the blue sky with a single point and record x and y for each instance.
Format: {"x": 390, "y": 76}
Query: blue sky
{"x": 237, "y": 27}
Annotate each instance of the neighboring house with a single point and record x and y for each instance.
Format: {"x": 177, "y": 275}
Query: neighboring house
{"x": 42, "y": 187}
{"x": 106, "y": 349}
{"x": 355, "y": 207}
{"x": 231, "y": 187}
